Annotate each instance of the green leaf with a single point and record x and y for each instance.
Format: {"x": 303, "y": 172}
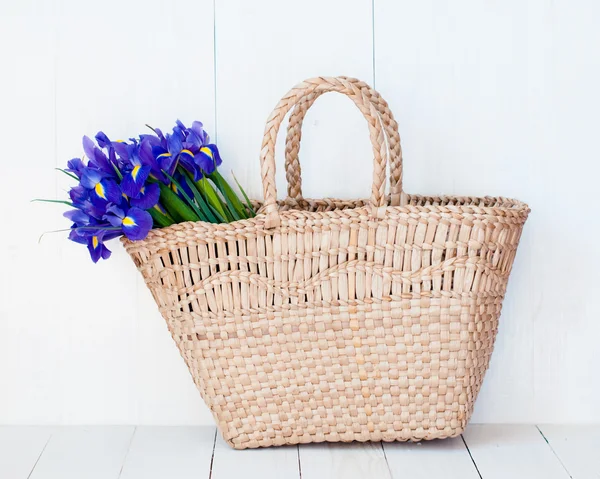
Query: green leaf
{"x": 54, "y": 201}
{"x": 186, "y": 196}
{"x": 248, "y": 203}
{"x": 153, "y": 130}
{"x": 235, "y": 206}
{"x": 200, "y": 200}
{"x": 213, "y": 199}
{"x": 67, "y": 173}
{"x": 116, "y": 170}
{"x": 159, "y": 218}
{"x": 178, "y": 209}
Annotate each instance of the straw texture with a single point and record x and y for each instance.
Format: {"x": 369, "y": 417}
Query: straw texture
{"x": 332, "y": 320}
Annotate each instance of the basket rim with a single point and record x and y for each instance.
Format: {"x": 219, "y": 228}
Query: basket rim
{"x": 499, "y": 207}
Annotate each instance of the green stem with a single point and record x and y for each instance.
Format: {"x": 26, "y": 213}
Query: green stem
{"x": 200, "y": 200}
{"x": 212, "y": 198}
{"x": 175, "y": 205}
{"x": 54, "y": 201}
{"x": 67, "y": 173}
{"x": 233, "y": 202}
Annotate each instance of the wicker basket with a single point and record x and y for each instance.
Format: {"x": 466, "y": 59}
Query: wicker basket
{"x": 331, "y": 320}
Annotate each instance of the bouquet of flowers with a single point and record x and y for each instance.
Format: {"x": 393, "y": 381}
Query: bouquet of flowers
{"x": 155, "y": 180}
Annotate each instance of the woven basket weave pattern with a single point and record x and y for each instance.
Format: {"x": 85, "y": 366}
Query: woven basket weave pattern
{"x": 331, "y": 320}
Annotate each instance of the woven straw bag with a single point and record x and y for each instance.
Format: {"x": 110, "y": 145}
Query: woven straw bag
{"x": 331, "y": 320}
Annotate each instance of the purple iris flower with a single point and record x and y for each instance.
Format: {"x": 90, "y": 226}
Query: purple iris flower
{"x": 95, "y": 242}
{"x": 208, "y": 159}
{"x": 147, "y": 158}
{"x": 102, "y": 188}
{"x": 102, "y": 140}
{"x": 135, "y": 223}
{"x": 137, "y": 174}
{"x": 180, "y": 179}
{"x": 188, "y": 147}
{"x": 96, "y": 157}
{"x": 78, "y": 195}
{"x": 148, "y": 196}
{"x": 75, "y": 166}
{"x": 78, "y": 217}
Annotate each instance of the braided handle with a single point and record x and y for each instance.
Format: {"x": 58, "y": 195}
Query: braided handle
{"x": 294, "y": 135}
{"x": 319, "y": 86}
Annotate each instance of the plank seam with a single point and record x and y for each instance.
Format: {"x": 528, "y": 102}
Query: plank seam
{"x": 385, "y": 455}
{"x": 212, "y": 458}
{"x": 127, "y": 453}
{"x": 471, "y": 456}
{"x": 373, "y": 39}
{"x": 39, "y": 457}
{"x": 553, "y": 451}
{"x": 299, "y": 465}
{"x": 215, "y": 65}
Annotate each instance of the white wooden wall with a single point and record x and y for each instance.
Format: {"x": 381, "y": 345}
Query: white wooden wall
{"x": 498, "y": 97}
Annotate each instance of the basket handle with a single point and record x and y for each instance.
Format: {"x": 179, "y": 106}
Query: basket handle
{"x": 294, "y": 135}
{"x": 321, "y": 85}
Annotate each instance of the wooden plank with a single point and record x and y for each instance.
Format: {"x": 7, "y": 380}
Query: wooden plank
{"x": 31, "y": 338}
{"x": 264, "y": 463}
{"x": 90, "y": 452}
{"x": 161, "y": 452}
{"x": 349, "y": 461}
{"x": 483, "y": 117}
{"x": 577, "y": 448}
{"x": 281, "y": 47}
{"x": 116, "y": 82}
{"x": 502, "y": 451}
{"x": 443, "y": 459}
{"x": 20, "y": 449}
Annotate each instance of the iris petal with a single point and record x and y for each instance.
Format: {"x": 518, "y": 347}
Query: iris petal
{"x": 136, "y": 224}
{"x": 134, "y": 181}
{"x": 112, "y": 191}
{"x": 88, "y": 147}
{"x": 102, "y": 140}
{"x": 198, "y": 128}
{"x": 75, "y": 166}
{"x": 204, "y": 160}
{"x": 91, "y": 177}
{"x": 148, "y": 197}
{"x": 122, "y": 150}
{"x": 174, "y": 143}
{"x": 78, "y": 217}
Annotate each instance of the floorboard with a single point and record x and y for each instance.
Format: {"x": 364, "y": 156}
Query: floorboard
{"x": 515, "y": 452}
{"x": 20, "y": 449}
{"x": 84, "y": 452}
{"x": 577, "y": 448}
{"x": 160, "y": 452}
{"x": 263, "y": 463}
{"x": 145, "y": 452}
{"x": 348, "y": 461}
{"x": 438, "y": 459}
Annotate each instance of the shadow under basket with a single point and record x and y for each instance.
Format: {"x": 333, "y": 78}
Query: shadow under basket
{"x": 332, "y": 320}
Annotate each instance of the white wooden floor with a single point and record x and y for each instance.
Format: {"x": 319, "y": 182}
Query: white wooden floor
{"x": 484, "y": 451}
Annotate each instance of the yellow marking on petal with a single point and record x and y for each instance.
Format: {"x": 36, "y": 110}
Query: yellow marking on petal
{"x": 120, "y": 141}
{"x": 124, "y": 195}
{"x": 127, "y": 221}
{"x": 99, "y": 189}
{"x": 95, "y": 242}
{"x": 188, "y": 152}
{"x": 143, "y": 190}
{"x": 207, "y": 151}
{"x": 164, "y": 155}
{"x": 135, "y": 171}
{"x": 174, "y": 187}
